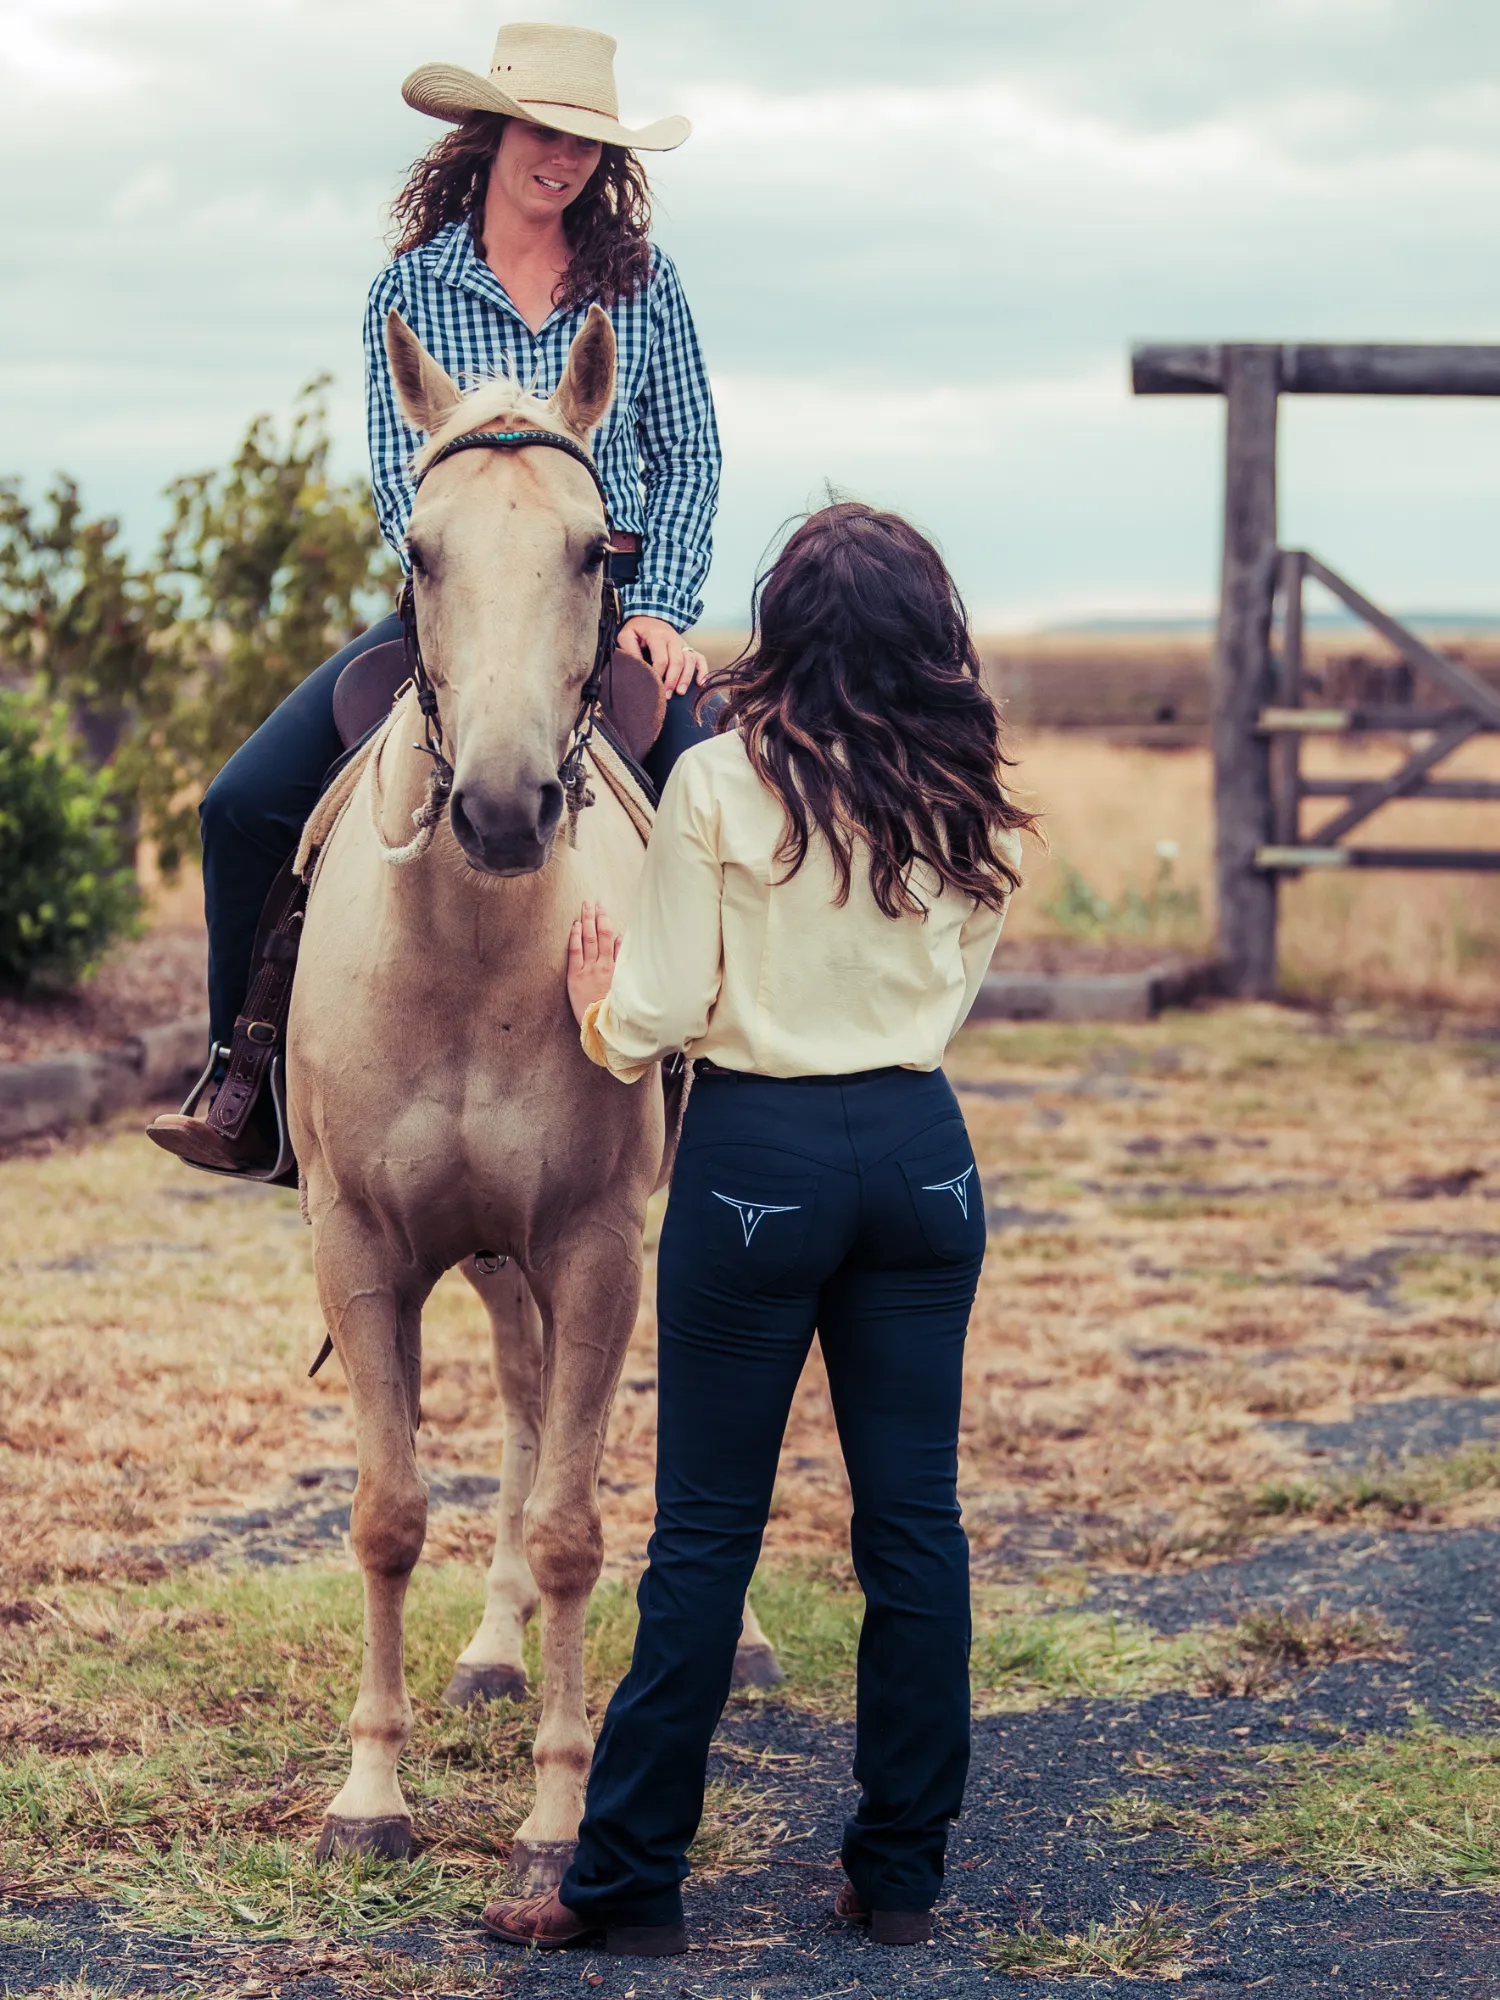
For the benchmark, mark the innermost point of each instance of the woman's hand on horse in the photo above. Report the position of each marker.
(593, 948)
(661, 646)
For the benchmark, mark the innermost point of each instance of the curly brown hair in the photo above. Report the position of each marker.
(607, 227)
(862, 707)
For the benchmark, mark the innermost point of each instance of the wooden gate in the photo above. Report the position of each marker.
(1260, 719)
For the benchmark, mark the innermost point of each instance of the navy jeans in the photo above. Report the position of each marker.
(849, 1205)
(253, 813)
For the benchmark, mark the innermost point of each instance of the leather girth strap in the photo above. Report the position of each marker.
(260, 1031)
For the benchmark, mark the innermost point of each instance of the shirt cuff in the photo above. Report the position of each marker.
(597, 1049)
(648, 600)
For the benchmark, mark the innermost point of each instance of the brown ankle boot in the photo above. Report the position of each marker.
(886, 1926)
(192, 1140)
(548, 1923)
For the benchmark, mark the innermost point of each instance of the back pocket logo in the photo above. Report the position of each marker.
(958, 1187)
(753, 1213)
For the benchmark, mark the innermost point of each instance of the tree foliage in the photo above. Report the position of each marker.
(266, 567)
(67, 889)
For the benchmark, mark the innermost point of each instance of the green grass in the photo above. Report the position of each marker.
(173, 1745)
(1408, 1490)
(1023, 1657)
(1417, 1809)
(1137, 1942)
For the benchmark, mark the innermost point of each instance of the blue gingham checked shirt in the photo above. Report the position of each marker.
(657, 449)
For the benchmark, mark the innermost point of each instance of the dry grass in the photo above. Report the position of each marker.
(1205, 1228)
(1141, 1941)
(1429, 938)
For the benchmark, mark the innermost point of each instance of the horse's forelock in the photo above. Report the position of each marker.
(488, 404)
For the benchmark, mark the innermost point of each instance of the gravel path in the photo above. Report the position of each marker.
(1027, 1842)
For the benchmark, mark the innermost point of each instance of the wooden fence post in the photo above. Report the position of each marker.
(1242, 680)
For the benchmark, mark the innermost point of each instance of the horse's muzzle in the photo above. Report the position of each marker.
(509, 836)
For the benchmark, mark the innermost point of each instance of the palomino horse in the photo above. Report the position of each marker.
(441, 1106)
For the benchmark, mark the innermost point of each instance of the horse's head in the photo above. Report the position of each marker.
(507, 552)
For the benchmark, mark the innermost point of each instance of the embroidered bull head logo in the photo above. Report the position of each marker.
(958, 1187)
(753, 1213)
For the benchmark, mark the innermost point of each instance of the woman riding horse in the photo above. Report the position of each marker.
(509, 229)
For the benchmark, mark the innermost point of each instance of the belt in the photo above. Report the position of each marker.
(625, 559)
(706, 1067)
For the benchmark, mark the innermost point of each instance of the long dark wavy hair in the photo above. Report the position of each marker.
(861, 706)
(607, 227)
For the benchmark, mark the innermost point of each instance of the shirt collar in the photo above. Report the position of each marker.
(459, 265)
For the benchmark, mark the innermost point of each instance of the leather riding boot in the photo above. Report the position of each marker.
(886, 1926)
(190, 1139)
(548, 1923)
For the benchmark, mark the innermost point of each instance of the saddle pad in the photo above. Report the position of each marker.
(613, 769)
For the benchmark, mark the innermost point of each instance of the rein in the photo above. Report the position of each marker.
(571, 770)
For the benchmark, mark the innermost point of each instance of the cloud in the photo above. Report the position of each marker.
(918, 242)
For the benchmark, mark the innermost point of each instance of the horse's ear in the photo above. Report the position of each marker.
(588, 384)
(428, 393)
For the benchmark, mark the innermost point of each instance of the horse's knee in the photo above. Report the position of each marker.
(388, 1524)
(564, 1546)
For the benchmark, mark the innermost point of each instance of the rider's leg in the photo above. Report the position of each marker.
(680, 730)
(252, 817)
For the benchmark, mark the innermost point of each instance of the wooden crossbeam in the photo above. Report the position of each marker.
(1470, 790)
(1376, 719)
(1434, 860)
(1369, 798)
(1323, 368)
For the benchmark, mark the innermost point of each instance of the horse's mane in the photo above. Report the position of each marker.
(502, 397)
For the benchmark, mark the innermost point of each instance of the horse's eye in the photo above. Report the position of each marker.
(414, 554)
(594, 560)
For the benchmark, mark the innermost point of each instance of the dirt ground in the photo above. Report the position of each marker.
(1236, 1356)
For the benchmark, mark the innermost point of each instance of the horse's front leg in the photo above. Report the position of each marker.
(588, 1295)
(373, 1308)
(490, 1667)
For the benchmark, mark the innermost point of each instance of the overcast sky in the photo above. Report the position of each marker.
(918, 238)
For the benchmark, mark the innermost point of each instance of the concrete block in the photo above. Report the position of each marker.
(1094, 996)
(170, 1058)
(55, 1092)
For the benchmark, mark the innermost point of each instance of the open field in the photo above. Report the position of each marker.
(1231, 1471)
(1430, 940)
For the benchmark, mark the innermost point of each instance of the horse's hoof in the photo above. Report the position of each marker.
(473, 1684)
(541, 1864)
(386, 1839)
(756, 1667)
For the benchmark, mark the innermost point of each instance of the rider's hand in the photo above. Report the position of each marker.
(661, 646)
(592, 951)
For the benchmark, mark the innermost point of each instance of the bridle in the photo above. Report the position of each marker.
(570, 772)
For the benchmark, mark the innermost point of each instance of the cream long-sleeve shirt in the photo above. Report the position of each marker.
(724, 959)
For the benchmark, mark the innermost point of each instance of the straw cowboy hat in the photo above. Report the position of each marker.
(562, 77)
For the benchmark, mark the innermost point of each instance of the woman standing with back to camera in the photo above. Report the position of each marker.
(509, 228)
(823, 890)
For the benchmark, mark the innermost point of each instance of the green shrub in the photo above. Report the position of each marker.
(66, 889)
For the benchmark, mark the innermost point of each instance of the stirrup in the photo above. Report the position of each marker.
(285, 1161)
